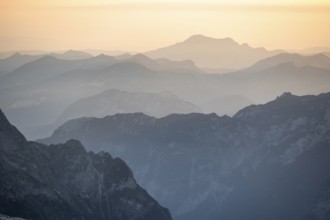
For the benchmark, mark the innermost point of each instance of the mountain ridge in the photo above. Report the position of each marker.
(209, 52)
(205, 159)
(66, 182)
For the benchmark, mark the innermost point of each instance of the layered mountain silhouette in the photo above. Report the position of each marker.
(51, 66)
(266, 162)
(66, 182)
(115, 101)
(318, 61)
(14, 61)
(36, 94)
(161, 64)
(209, 52)
(72, 55)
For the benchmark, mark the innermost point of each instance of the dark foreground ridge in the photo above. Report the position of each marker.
(64, 182)
(269, 161)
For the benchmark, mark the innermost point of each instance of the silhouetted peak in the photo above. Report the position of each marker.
(47, 58)
(229, 40)
(124, 56)
(72, 147)
(3, 119)
(198, 37)
(192, 116)
(10, 137)
(72, 52)
(129, 116)
(286, 94)
(4, 123)
(320, 56)
(75, 51)
(102, 55)
(15, 55)
(245, 45)
(140, 56)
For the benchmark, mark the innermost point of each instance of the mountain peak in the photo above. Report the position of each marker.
(9, 135)
(140, 57)
(285, 95)
(212, 53)
(72, 147)
(103, 56)
(320, 56)
(3, 118)
(198, 38)
(47, 58)
(72, 55)
(72, 51)
(292, 60)
(63, 181)
(16, 54)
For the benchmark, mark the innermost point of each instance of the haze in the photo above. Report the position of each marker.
(145, 25)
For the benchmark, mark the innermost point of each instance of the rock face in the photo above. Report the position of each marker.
(268, 161)
(65, 182)
(4, 217)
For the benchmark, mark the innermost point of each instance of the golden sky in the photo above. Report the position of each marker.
(139, 25)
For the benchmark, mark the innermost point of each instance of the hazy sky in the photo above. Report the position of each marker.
(139, 25)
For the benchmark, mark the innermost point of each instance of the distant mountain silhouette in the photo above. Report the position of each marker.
(72, 55)
(14, 61)
(115, 101)
(49, 67)
(213, 53)
(36, 93)
(312, 50)
(318, 61)
(162, 64)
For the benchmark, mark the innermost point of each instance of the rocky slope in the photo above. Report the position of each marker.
(5, 217)
(66, 182)
(268, 161)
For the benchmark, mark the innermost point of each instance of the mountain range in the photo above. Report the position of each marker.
(318, 61)
(35, 94)
(115, 101)
(209, 52)
(197, 121)
(268, 161)
(66, 182)
(72, 55)
(14, 61)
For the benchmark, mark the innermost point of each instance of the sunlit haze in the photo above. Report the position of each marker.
(144, 25)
